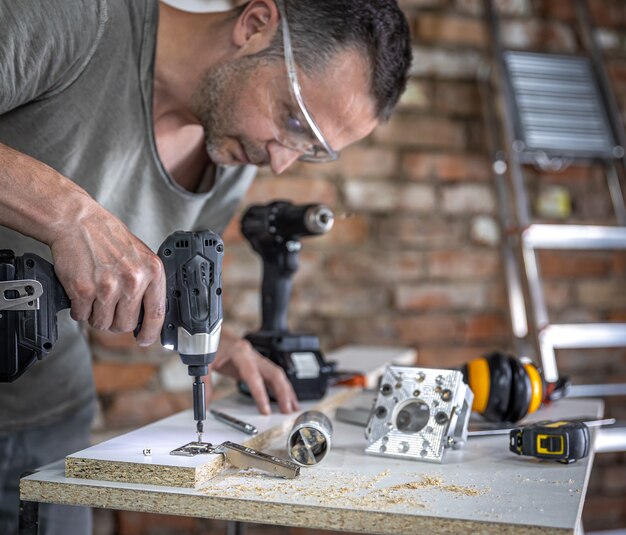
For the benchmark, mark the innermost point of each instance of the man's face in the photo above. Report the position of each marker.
(247, 111)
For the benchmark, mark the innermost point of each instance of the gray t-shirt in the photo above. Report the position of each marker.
(76, 93)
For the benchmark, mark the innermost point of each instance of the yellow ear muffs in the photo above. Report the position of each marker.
(536, 382)
(504, 388)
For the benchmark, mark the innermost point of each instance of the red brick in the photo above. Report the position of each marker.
(417, 198)
(450, 30)
(371, 265)
(535, 34)
(132, 523)
(603, 512)
(450, 356)
(348, 229)
(376, 330)
(558, 9)
(601, 293)
(617, 72)
(430, 296)
(241, 265)
(483, 327)
(458, 98)
(421, 3)
(607, 12)
(232, 234)
(452, 167)
(242, 303)
(339, 301)
(419, 95)
(619, 264)
(457, 64)
(115, 376)
(496, 294)
(387, 196)
(503, 7)
(367, 162)
(463, 264)
(574, 264)
(423, 233)
(311, 262)
(292, 189)
(618, 316)
(414, 130)
(615, 481)
(573, 173)
(428, 328)
(558, 295)
(468, 199)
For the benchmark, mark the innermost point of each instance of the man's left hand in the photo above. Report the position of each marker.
(238, 359)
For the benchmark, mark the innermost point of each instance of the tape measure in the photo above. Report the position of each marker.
(563, 441)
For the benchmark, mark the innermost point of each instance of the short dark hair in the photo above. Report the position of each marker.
(376, 28)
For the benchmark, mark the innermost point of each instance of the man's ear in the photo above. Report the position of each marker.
(256, 26)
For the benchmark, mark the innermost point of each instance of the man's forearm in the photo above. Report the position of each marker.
(36, 200)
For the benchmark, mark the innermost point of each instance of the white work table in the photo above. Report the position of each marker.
(482, 487)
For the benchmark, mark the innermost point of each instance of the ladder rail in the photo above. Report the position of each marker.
(599, 138)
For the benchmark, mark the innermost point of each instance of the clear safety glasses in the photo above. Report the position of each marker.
(298, 130)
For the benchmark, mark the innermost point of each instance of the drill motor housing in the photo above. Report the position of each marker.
(30, 298)
(274, 232)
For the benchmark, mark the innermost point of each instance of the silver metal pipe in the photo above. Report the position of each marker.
(309, 440)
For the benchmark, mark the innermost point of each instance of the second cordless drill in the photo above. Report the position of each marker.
(274, 231)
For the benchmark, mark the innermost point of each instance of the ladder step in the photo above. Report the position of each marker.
(574, 237)
(576, 336)
(597, 391)
(584, 335)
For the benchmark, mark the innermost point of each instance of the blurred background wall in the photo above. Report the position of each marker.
(413, 259)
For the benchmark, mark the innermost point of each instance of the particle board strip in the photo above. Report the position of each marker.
(121, 459)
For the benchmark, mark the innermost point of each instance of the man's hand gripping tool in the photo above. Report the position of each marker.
(31, 296)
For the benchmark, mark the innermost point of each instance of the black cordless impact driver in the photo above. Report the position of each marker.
(274, 231)
(31, 296)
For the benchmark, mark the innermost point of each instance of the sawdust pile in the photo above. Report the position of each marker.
(338, 490)
(355, 491)
(437, 482)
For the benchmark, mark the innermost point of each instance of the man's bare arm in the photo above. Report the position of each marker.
(106, 271)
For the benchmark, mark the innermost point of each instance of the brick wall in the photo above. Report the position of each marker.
(414, 256)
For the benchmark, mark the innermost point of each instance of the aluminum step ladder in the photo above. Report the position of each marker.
(556, 110)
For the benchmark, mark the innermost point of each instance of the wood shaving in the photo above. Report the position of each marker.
(437, 482)
(351, 491)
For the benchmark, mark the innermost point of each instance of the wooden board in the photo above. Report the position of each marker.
(121, 459)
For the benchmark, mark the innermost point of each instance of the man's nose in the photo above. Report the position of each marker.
(281, 157)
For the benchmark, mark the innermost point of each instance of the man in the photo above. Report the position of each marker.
(124, 120)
